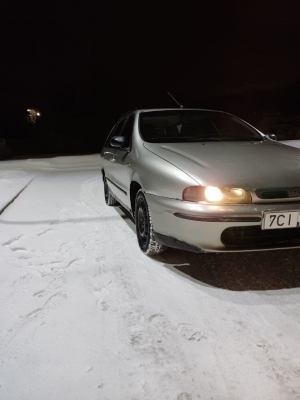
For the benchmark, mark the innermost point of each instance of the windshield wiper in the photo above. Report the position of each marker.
(242, 139)
(195, 139)
(190, 139)
(208, 139)
(185, 139)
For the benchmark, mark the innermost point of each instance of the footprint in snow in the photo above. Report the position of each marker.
(102, 305)
(12, 241)
(191, 333)
(156, 318)
(184, 396)
(45, 232)
(19, 284)
(101, 293)
(67, 248)
(19, 249)
(53, 302)
(23, 280)
(53, 285)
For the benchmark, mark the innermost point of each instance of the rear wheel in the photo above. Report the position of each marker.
(109, 198)
(144, 227)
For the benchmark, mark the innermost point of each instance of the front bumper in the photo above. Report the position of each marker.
(201, 226)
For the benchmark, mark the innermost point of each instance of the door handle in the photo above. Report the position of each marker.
(109, 156)
(107, 153)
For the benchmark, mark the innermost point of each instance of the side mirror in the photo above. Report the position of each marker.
(271, 136)
(118, 141)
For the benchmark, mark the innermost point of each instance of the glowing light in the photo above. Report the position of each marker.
(213, 194)
(238, 192)
(32, 115)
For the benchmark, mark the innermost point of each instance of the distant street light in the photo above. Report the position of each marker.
(32, 115)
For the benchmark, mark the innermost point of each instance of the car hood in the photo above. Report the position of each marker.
(249, 165)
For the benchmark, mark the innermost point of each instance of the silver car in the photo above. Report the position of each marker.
(202, 180)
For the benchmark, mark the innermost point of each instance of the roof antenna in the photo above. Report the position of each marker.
(175, 100)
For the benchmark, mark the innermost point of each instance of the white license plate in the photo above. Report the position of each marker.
(279, 220)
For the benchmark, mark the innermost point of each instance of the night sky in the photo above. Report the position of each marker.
(75, 56)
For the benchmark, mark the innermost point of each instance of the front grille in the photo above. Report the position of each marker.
(253, 237)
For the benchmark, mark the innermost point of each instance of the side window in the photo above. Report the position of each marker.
(115, 132)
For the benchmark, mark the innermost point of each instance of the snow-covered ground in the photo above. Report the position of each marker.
(85, 315)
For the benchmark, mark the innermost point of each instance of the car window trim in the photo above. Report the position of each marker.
(110, 136)
(128, 148)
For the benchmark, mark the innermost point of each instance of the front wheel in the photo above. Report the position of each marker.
(144, 227)
(109, 198)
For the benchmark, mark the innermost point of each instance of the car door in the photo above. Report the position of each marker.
(108, 152)
(122, 171)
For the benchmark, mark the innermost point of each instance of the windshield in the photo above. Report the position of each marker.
(194, 126)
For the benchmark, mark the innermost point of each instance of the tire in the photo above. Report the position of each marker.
(109, 198)
(144, 227)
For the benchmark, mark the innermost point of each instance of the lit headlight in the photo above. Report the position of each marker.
(215, 195)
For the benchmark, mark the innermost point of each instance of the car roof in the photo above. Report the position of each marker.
(141, 110)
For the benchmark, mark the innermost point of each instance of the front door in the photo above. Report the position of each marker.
(122, 171)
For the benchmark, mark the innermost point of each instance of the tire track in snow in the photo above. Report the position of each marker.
(14, 198)
(91, 194)
(149, 340)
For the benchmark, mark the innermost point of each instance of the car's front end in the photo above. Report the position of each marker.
(245, 195)
(210, 227)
